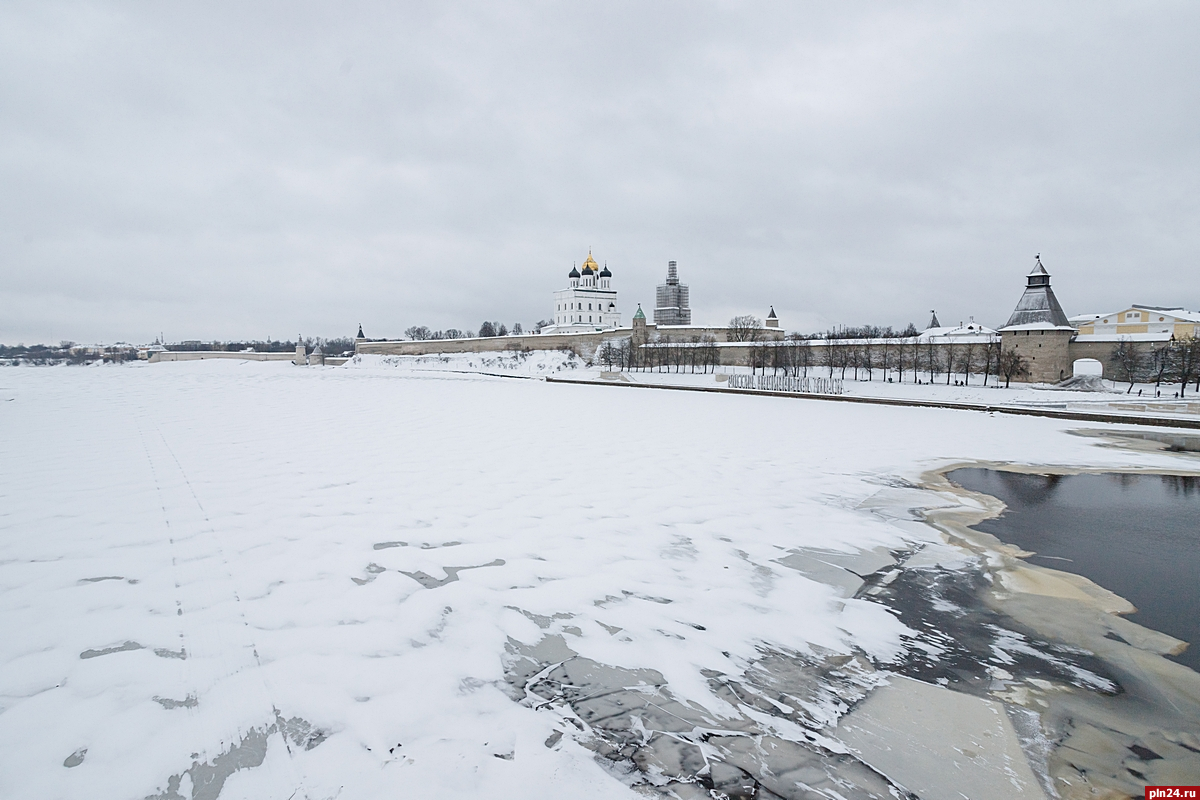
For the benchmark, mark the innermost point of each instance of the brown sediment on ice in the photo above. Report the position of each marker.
(1102, 745)
(1148, 441)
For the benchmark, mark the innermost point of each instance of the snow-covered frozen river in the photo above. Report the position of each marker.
(225, 579)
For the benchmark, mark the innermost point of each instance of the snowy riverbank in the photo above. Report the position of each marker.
(1113, 400)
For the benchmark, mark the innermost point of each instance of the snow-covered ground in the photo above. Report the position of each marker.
(257, 580)
(521, 363)
(1114, 399)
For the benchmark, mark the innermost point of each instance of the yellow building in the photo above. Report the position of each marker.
(1139, 322)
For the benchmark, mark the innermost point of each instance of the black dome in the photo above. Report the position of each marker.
(587, 270)
(604, 273)
(574, 273)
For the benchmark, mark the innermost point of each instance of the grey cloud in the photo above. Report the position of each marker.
(228, 170)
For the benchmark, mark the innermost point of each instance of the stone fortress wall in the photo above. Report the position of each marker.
(1048, 353)
(1051, 354)
(583, 344)
(1038, 330)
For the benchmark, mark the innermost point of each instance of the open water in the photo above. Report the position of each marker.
(1135, 535)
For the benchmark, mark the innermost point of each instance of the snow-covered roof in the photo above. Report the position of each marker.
(1080, 319)
(1180, 314)
(1171, 310)
(1039, 326)
(971, 329)
(1084, 338)
(1038, 306)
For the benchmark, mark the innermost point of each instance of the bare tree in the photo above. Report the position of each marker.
(966, 358)
(991, 359)
(798, 354)
(856, 358)
(608, 354)
(745, 328)
(1013, 365)
(1165, 360)
(760, 357)
(929, 357)
(947, 360)
(1129, 361)
(712, 352)
(418, 333)
(517, 329)
(1188, 362)
(828, 357)
(870, 355)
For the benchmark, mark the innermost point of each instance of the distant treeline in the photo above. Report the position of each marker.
(421, 333)
(342, 345)
(66, 352)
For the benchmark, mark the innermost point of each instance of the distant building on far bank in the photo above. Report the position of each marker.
(671, 300)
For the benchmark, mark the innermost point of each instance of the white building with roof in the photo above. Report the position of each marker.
(588, 303)
(970, 333)
(1138, 323)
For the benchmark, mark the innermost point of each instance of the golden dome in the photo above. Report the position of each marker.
(590, 262)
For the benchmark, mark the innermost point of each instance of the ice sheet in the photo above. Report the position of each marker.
(196, 556)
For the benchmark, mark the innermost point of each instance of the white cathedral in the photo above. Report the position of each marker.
(589, 303)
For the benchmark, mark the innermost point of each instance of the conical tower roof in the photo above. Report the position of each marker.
(1038, 307)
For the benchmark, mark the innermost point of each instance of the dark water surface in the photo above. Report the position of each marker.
(1136, 535)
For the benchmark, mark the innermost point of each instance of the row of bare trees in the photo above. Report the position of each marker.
(694, 354)
(891, 358)
(1173, 362)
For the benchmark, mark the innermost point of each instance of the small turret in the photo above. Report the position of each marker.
(772, 320)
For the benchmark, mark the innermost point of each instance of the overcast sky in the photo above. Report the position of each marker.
(228, 170)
